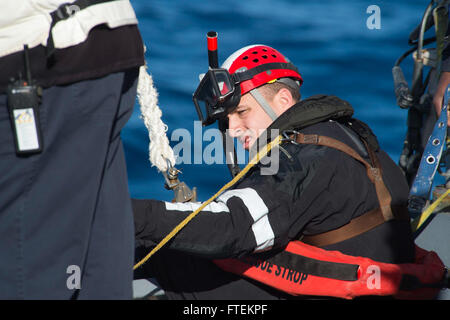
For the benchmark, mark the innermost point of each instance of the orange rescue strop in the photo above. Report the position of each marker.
(302, 269)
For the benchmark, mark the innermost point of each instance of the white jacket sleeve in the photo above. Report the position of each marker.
(28, 22)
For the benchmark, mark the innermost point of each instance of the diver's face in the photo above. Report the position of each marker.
(248, 121)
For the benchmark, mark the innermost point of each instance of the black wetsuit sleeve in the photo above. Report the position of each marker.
(216, 232)
(254, 216)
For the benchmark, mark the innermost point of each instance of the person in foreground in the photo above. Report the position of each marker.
(66, 222)
(333, 197)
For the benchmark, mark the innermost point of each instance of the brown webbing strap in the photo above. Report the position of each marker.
(384, 196)
(355, 227)
(368, 220)
(373, 172)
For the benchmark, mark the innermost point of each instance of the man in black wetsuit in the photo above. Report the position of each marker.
(316, 192)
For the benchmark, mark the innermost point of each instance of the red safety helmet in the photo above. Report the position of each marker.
(220, 89)
(258, 56)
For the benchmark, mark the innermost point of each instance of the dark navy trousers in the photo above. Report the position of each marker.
(65, 214)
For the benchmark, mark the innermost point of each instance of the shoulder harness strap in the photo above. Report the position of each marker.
(368, 220)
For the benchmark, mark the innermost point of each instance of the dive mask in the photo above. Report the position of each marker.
(217, 94)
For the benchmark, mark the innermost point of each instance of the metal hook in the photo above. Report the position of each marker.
(181, 191)
(287, 136)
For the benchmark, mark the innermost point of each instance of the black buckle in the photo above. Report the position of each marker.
(64, 11)
(290, 136)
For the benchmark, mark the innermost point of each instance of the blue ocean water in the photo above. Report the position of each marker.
(329, 42)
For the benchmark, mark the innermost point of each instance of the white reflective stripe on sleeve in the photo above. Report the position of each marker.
(258, 210)
(215, 207)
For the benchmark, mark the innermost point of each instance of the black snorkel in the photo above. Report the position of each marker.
(213, 57)
(213, 115)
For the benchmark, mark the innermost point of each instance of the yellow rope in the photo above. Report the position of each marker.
(419, 221)
(191, 216)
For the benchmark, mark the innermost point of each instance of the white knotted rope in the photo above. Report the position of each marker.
(159, 148)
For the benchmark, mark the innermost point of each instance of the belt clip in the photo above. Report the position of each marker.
(63, 12)
(290, 136)
(66, 10)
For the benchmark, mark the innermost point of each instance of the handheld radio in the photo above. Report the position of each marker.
(23, 102)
